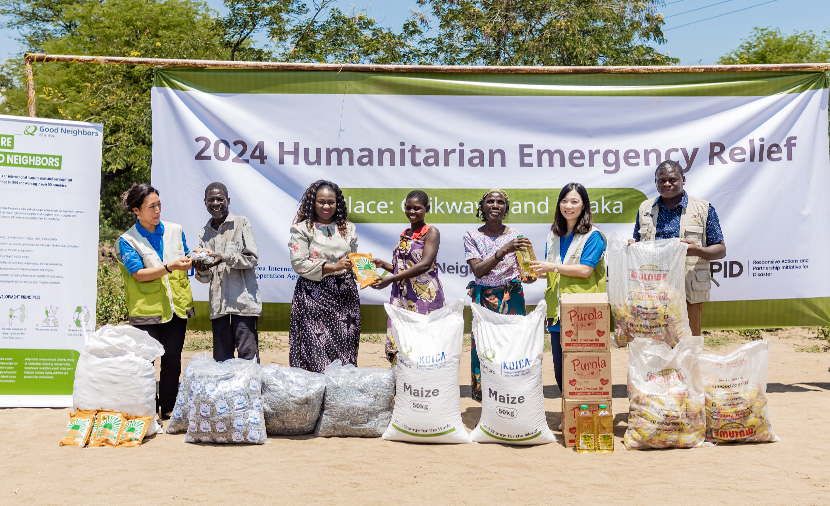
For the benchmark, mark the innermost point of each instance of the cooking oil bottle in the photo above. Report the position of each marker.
(585, 430)
(605, 430)
(525, 257)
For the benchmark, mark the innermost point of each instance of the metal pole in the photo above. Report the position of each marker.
(117, 60)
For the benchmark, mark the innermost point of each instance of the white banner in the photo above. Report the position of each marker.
(762, 161)
(50, 173)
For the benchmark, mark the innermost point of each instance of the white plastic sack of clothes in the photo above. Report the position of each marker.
(510, 349)
(427, 398)
(647, 291)
(183, 410)
(358, 401)
(735, 389)
(226, 403)
(665, 394)
(115, 372)
(292, 399)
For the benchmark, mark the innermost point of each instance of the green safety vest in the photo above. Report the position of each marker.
(154, 302)
(595, 283)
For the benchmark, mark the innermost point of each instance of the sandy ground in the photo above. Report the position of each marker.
(166, 470)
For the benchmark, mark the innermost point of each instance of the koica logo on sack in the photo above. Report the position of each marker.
(586, 322)
(587, 375)
(516, 367)
(432, 361)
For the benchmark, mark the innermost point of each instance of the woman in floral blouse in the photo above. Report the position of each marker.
(490, 251)
(325, 310)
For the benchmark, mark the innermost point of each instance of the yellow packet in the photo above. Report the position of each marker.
(134, 430)
(79, 428)
(110, 424)
(364, 269)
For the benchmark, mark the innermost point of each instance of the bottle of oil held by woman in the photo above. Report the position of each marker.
(605, 430)
(525, 257)
(585, 430)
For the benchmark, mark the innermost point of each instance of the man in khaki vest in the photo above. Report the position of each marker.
(677, 214)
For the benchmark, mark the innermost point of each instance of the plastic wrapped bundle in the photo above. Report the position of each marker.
(735, 388)
(647, 291)
(291, 400)
(183, 409)
(227, 403)
(358, 401)
(665, 393)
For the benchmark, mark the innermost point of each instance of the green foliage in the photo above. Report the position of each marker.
(823, 333)
(352, 38)
(751, 334)
(482, 32)
(198, 341)
(111, 306)
(769, 45)
(544, 32)
(247, 17)
(117, 96)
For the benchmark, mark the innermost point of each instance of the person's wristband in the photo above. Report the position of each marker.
(497, 256)
(167, 269)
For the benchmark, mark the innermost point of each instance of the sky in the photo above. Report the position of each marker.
(698, 31)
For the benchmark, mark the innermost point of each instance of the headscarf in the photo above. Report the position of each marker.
(479, 211)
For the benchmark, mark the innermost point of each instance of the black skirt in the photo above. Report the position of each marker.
(325, 322)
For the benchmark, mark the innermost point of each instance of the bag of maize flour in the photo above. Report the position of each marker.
(510, 349)
(109, 426)
(78, 429)
(135, 428)
(427, 398)
(647, 290)
(364, 269)
(665, 394)
(735, 389)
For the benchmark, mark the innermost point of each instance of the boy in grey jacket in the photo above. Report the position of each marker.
(230, 268)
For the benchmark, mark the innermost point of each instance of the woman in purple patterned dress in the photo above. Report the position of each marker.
(490, 251)
(414, 279)
(325, 309)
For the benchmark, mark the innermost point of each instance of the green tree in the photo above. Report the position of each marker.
(350, 38)
(544, 32)
(245, 18)
(117, 96)
(769, 45)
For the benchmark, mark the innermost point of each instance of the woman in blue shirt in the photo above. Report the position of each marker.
(574, 259)
(153, 262)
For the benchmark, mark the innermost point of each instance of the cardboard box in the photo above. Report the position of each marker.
(585, 321)
(570, 409)
(586, 375)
